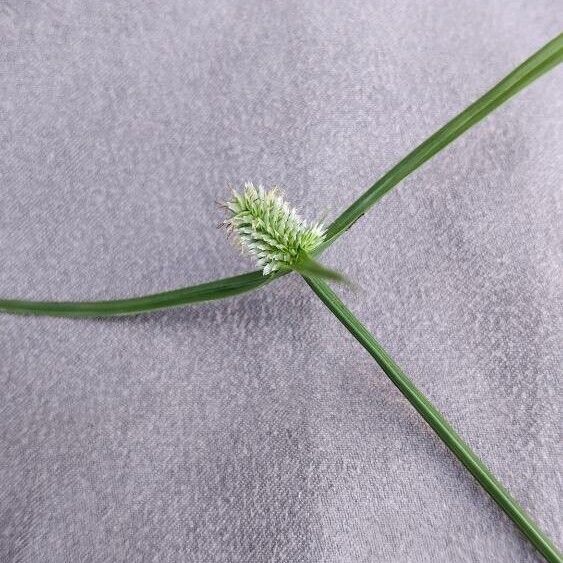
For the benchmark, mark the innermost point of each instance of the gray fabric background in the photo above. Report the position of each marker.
(256, 429)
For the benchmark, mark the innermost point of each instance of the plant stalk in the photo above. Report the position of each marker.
(436, 420)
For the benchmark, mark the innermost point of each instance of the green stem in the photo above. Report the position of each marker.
(438, 423)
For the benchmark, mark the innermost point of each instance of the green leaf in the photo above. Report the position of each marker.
(436, 420)
(218, 289)
(543, 60)
(539, 63)
(311, 268)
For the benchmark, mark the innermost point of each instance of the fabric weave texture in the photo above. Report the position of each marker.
(256, 428)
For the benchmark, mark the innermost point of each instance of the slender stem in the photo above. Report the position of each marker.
(435, 419)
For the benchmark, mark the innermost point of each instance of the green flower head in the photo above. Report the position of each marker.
(268, 228)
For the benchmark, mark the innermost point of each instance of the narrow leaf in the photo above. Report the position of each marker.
(546, 58)
(311, 268)
(217, 289)
(543, 60)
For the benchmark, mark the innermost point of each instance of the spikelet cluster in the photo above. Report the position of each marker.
(270, 229)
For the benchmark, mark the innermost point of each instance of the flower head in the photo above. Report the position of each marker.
(269, 229)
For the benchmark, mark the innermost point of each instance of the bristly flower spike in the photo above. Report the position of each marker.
(268, 228)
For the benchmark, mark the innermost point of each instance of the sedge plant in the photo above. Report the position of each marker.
(281, 242)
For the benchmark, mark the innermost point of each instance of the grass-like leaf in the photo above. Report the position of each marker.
(543, 60)
(539, 63)
(309, 267)
(436, 420)
(218, 289)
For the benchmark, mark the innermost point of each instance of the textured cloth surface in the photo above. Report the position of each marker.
(256, 428)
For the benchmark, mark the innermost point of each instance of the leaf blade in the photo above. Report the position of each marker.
(543, 60)
(549, 56)
(309, 267)
(217, 289)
